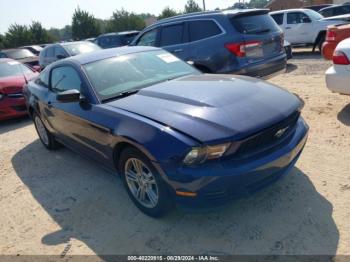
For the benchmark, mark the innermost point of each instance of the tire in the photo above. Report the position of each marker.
(147, 185)
(46, 138)
(321, 41)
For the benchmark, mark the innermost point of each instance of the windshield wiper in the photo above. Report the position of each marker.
(121, 95)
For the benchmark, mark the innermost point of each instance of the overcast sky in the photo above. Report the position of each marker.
(58, 13)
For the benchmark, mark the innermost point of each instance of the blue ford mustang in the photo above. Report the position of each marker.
(174, 134)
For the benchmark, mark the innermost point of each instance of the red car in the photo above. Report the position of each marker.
(13, 76)
(335, 34)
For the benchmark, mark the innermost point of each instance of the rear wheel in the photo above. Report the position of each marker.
(321, 41)
(46, 138)
(144, 185)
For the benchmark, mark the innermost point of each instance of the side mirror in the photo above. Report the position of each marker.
(37, 68)
(306, 20)
(70, 96)
(61, 56)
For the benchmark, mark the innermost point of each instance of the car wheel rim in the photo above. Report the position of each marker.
(141, 182)
(41, 130)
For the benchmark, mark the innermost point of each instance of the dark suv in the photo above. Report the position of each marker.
(245, 42)
(111, 40)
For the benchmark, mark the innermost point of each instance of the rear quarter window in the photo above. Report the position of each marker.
(202, 29)
(255, 24)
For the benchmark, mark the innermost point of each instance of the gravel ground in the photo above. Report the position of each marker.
(60, 203)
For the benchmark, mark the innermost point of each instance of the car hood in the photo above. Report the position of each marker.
(210, 108)
(14, 84)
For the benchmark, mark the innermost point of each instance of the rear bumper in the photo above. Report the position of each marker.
(265, 68)
(12, 107)
(218, 182)
(337, 79)
(328, 49)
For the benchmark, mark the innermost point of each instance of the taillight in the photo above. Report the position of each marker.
(240, 49)
(331, 35)
(339, 58)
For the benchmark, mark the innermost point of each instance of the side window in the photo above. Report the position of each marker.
(202, 29)
(296, 18)
(148, 39)
(59, 51)
(172, 35)
(327, 13)
(278, 18)
(50, 52)
(43, 78)
(3, 55)
(65, 78)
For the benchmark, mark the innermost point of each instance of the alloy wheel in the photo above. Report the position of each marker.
(141, 182)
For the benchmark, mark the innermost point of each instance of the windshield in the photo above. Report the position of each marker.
(255, 24)
(81, 48)
(314, 15)
(112, 76)
(13, 68)
(19, 54)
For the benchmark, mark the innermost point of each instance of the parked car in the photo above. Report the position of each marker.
(54, 52)
(21, 55)
(303, 26)
(335, 34)
(111, 40)
(91, 39)
(288, 49)
(335, 10)
(35, 49)
(13, 76)
(317, 7)
(173, 133)
(338, 76)
(245, 41)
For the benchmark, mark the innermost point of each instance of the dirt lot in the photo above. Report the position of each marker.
(60, 203)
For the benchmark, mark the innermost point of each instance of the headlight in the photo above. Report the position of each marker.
(200, 154)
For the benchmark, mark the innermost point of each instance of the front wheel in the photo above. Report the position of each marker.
(144, 185)
(45, 136)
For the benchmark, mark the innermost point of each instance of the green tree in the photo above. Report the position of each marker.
(122, 20)
(191, 7)
(18, 35)
(2, 41)
(84, 25)
(167, 12)
(39, 34)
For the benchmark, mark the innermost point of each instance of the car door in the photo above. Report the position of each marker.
(60, 53)
(174, 39)
(298, 28)
(73, 122)
(49, 56)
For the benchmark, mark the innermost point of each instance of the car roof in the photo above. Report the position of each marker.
(335, 6)
(230, 12)
(73, 43)
(4, 60)
(102, 54)
(120, 33)
(8, 50)
(291, 10)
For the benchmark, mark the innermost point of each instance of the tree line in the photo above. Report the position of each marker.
(85, 25)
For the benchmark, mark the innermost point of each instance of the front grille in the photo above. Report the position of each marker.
(19, 108)
(268, 136)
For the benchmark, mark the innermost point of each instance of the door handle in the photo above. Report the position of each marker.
(178, 50)
(288, 28)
